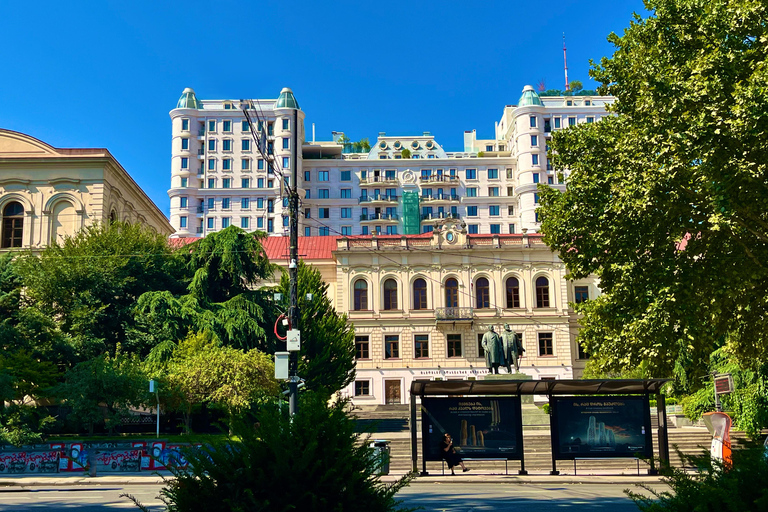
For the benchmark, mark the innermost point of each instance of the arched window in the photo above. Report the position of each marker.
(361, 295)
(13, 225)
(419, 294)
(451, 293)
(513, 293)
(542, 292)
(112, 217)
(390, 294)
(482, 293)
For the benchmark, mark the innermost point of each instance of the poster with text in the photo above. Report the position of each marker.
(480, 427)
(601, 427)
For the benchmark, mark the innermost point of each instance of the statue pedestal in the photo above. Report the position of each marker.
(501, 377)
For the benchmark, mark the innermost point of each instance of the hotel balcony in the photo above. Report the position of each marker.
(439, 178)
(380, 218)
(438, 216)
(440, 199)
(201, 134)
(379, 200)
(454, 314)
(372, 181)
(201, 154)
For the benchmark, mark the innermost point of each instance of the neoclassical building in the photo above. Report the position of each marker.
(48, 193)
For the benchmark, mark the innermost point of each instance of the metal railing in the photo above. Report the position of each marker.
(380, 197)
(440, 215)
(441, 197)
(454, 313)
(439, 178)
(379, 216)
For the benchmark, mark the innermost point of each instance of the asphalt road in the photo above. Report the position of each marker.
(438, 497)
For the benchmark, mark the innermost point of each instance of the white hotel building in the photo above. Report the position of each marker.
(220, 178)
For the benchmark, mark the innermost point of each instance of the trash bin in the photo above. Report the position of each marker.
(381, 455)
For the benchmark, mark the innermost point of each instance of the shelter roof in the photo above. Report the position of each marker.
(538, 387)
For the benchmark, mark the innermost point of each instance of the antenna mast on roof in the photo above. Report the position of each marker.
(565, 63)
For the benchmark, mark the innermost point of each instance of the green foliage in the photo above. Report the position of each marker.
(668, 199)
(361, 146)
(576, 86)
(742, 487)
(89, 282)
(406, 153)
(313, 463)
(116, 382)
(23, 424)
(327, 357)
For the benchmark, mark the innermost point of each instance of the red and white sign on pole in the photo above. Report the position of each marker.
(723, 383)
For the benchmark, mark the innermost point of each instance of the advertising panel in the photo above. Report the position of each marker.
(480, 427)
(600, 427)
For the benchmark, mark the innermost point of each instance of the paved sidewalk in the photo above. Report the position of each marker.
(16, 483)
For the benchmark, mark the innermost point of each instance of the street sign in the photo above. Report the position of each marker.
(152, 386)
(293, 343)
(723, 383)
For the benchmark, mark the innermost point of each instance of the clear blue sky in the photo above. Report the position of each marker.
(106, 73)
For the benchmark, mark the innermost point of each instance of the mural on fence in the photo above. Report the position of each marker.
(29, 462)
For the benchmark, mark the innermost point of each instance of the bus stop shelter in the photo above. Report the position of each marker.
(550, 388)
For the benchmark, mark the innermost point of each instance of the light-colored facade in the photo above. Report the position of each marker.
(220, 178)
(48, 193)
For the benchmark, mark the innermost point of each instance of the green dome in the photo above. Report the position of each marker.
(529, 97)
(287, 100)
(188, 100)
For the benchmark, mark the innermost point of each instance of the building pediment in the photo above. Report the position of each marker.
(19, 144)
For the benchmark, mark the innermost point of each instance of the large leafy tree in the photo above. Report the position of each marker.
(667, 200)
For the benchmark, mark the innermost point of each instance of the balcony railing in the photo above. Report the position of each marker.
(381, 197)
(378, 179)
(441, 197)
(200, 209)
(199, 229)
(200, 151)
(453, 314)
(439, 178)
(440, 215)
(201, 133)
(379, 216)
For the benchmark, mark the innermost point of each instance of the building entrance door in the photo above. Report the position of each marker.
(392, 392)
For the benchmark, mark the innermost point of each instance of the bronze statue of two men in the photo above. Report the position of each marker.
(504, 350)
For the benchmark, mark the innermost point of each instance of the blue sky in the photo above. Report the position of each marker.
(106, 74)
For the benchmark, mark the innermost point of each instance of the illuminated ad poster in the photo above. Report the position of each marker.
(480, 427)
(601, 427)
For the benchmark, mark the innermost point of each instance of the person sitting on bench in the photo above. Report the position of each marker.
(450, 455)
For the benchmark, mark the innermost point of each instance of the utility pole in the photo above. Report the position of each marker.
(293, 266)
(565, 64)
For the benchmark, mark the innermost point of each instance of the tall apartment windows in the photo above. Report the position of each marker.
(471, 211)
(480, 350)
(494, 210)
(451, 293)
(226, 164)
(471, 191)
(212, 126)
(472, 229)
(184, 182)
(324, 213)
(390, 294)
(510, 191)
(260, 222)
(391, 346)
(362, 347)
(511, 229)
(324, 193)
(482, 293)
(286, 143)
(550, 180)
(513, 293)
(322, 176)
(307, 176)
(286, 123)
(534, 140)
(571, 121)
(346, 193)
(493, 174)
(307, 231)
(211, 164)
(471, 174)
(225, 222)
(533, 121)
(185, 163)
(581, 294)
(489, 148)
(590, 120)
(510, 210)
(245, 203)
(260, 164)
(557, 122)
(211, 182)
(346, 230)
(454, 345)
(244, 222)
(245, 127)
(307, 194)
(421, 346)
(535, 159)
(245, 164)
(260, 183)
(346, 213)
(184, 143)
(493, 191)
(286, 162)
(226, 145)
(324, 231)
(245, 145)
(536, 197)
(361, 295)
(286, 221)
(227, 126)
(542, 292)
(546, 347)
(225, 203)
(210, 222)
(211, 203)
(535, 177)
(183, 202)
(183, 221)
(226, 183)
(185, 125)
(419, 294)
(346, 176)
(270, 225)
(212, 145)
(495, 229)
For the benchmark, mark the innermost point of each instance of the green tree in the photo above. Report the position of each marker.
(327, 357)
(101, 390)
(667, 200)
(89, 282)
(575, 86)
(406, 153)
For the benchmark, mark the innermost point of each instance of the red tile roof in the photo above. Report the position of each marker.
(310, 247)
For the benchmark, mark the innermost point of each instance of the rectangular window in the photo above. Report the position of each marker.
(211, 203)
(533, 121)
(480, 350)
(421, 345)
(286, 143)
(211, 164)
(324, 213)
(495, 229)
(212, 125)
(582, 353)
(362, 388)
(472, 229)
(286, 123)
(183, 201)
(346, 176)
(472, 211)
(211, 182)
(346, 193)
(590, 120)
(511, 229)
(307, 231)
(307, 194)
(245, 164)
(226, 183)
(185, 163)
(471, 174)
(286, 221)
(307, 176)
(557, 122)
(260, 222)
(534, 140)
(471, 191)
(184, 143)
(227, 126)
(571, 121)
(245, 127)
(226, 145)
(346, 213)
(286, 162)
(307, 213)
(245, 203)
(494, 210)
(225, 222)
(510, 210)
(493, 191)
(245, 145)
(581, 294)
(183, 221)
(364, 230)
(324, 231)
(546, 347)
(391, 230)
(225, 204)
(322, 176)
(454, 345)
(260, 183)
(210, 222)
(226, 164)
(185, 125)
(493, 174)
(489, 148)
(550, 180)
(346, 230)
(324, 193)
(270, 225)
(212, 145)
(392, 346)
(510, 191)
(259, 202)
(260, 164)
(536, 198)
(535, 159)
(184, 182)
(535, 177)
